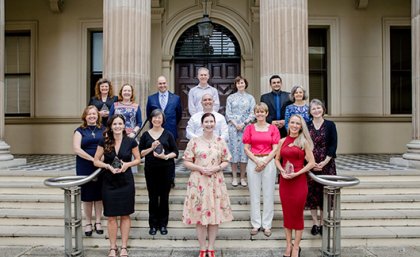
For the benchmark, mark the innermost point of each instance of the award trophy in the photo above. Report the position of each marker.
(158, 149)
(289, 168)
(116, 163)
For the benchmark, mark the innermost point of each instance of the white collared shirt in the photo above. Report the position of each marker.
(194, 128)
(194, 98)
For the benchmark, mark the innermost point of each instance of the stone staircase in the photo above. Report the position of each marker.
(383, 210)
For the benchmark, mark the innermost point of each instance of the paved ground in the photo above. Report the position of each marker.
(344, 162)
(142, 252)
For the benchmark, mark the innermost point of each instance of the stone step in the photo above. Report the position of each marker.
(143, 205)
(277, 223)
(401, 199)
(240, 215)
(231, 234)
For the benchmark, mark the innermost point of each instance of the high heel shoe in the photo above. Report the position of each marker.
(98, 231)
(210, 253)
(203, 253)
(290, 254)
(88, 232)
(298, 253)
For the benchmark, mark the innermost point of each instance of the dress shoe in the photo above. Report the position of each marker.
(98, 228)
(315, 230)
(163, 230)
(152, 231)
(88, 232)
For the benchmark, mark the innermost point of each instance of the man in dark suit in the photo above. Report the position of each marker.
(276, 101)
(171, 106)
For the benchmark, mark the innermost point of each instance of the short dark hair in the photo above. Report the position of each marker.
(275, 77)
(207, 114)
(239, 78)
(155, 113)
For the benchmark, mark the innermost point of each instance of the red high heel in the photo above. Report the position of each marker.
(203, 253)
(211, 253)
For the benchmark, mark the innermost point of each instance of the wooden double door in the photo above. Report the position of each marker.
(222, 76)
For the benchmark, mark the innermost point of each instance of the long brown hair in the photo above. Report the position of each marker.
(109, 141)
(85, 113)
(98, 89)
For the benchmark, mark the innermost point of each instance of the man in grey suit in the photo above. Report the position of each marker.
(276, 100)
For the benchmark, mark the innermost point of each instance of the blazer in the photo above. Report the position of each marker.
(271, 103)
(173, 111)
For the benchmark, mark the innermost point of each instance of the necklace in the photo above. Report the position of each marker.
(208, 141)
(92, 131)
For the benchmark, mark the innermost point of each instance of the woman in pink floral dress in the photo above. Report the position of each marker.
(207, 202)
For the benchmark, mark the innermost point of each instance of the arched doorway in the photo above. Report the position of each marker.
(220, 53)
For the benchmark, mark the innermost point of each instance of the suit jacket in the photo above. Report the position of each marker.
(173, 111)
(271, 103)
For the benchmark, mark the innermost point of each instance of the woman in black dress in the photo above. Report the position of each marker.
(158, 146)
(104, 98)
(85, 142)
(118, 190)
(324, 135)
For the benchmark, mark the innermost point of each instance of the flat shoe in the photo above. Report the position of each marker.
(267, 232)
(152, 231)
(234, 182)
(113, 250)
(163, 231)
(124, 255)
(254, 231)
(243, 183)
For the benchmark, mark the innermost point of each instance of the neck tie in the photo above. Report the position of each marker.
(163, 101)
(278, 108)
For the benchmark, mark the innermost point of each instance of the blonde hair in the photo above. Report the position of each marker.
(304, 137)
(85, 114)
(261, 107)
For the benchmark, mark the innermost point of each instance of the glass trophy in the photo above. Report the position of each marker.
(158, 149)
(105, 108)
(116, 163)
(289, 168)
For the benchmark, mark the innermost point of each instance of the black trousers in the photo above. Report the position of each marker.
(158, 181)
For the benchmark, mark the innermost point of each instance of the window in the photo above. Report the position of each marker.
(96, 61)
(400, 69)
(318, 64)
(17, 74)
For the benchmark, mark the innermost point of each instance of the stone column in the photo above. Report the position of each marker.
(127, 25)
(284, 42)
(4, 147)
(413, 153)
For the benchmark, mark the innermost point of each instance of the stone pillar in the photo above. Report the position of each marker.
(4, 147)
(284, 42)
(127, 25)
(413, 153)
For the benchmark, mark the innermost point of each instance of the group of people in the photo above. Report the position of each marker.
(282, 132)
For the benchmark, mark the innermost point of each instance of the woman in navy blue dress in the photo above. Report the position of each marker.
(104, 98)
(85, 142)
(118, 191)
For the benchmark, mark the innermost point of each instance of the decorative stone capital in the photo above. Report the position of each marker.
(255, 14)
(56, 6)
(361, 4)
(157, 14)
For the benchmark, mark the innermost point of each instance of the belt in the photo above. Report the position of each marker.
(261, 155)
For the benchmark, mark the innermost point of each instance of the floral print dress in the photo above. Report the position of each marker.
(207, 201)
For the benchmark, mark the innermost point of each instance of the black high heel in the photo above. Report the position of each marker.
(300, 249)
(88, 233)
(98, 231)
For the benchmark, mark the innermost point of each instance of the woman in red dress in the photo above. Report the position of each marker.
(294, 150)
